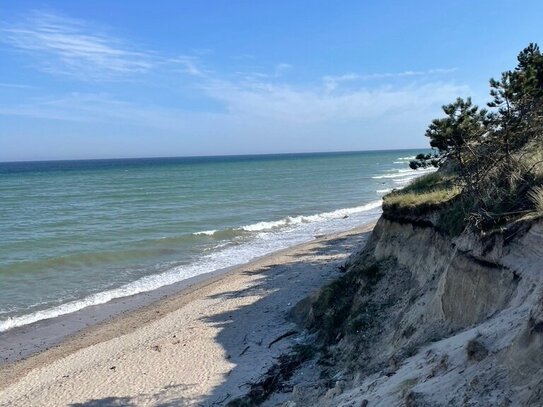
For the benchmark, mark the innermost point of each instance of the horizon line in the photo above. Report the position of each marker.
(211, 156)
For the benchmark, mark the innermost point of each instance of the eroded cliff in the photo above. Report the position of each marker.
(420, 318)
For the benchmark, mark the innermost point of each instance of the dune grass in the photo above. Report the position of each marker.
(428, 183)
(413, 200)
(536, 197)
(425, 192)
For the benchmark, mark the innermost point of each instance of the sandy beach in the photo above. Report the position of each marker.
(199, 346)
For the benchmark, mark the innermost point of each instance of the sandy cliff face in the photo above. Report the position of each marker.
(443, 322)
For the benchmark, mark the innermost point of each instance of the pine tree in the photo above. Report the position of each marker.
(456, 137)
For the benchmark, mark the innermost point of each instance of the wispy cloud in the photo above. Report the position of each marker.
(189, 65)
(333, 81)
(67, 46)
(241, 105)
(287, 103)
(251, 102)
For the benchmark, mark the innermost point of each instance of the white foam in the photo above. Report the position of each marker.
(384, 191)
(398, 175)
(403, 169)
(205, 232)
(302, 229)
(289, 221)
(404, 180)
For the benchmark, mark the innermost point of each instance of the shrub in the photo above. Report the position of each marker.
(333, 305)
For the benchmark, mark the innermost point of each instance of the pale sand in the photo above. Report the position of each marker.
(200, 346)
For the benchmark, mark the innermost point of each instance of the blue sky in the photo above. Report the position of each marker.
(104, 79)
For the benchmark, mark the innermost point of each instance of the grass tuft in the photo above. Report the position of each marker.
(536, 197)
(412, 200)
(425, 193)
(429, 182)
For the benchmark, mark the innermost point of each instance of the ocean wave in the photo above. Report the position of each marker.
(384, 176)
(289, 220)
(384, 191)
(226, 256)
(221, 234)
(403, 172)
(403, 181)
(206, 232)
(144, 284)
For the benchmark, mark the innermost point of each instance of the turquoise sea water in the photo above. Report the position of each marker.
(77, 233)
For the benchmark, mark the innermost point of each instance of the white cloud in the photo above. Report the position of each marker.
(71, 47)
(190, 65)
(242, 106)
(250, 102)
(333, 81)
(316, 104)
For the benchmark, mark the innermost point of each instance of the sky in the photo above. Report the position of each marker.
(104, 79)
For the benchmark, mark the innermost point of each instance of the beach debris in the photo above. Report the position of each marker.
(113, 368)
(244, 350)
(156, 348)
(285, 335)
(275, 378)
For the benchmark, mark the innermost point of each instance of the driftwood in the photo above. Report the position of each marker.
(274, 379)
(285, 335)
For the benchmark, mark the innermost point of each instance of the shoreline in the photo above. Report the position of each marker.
(75, 333)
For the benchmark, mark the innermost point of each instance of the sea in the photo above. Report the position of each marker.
(80, 233)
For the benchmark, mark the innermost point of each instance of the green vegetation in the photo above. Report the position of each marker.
(429, 192)
(332, 311)
(490, 160)
(430, 182)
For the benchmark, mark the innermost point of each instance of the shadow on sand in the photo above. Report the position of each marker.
(248, 348)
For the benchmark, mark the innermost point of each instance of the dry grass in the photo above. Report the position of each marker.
(536, 197)
(531, 159)
(426, 192)
(412, 200)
